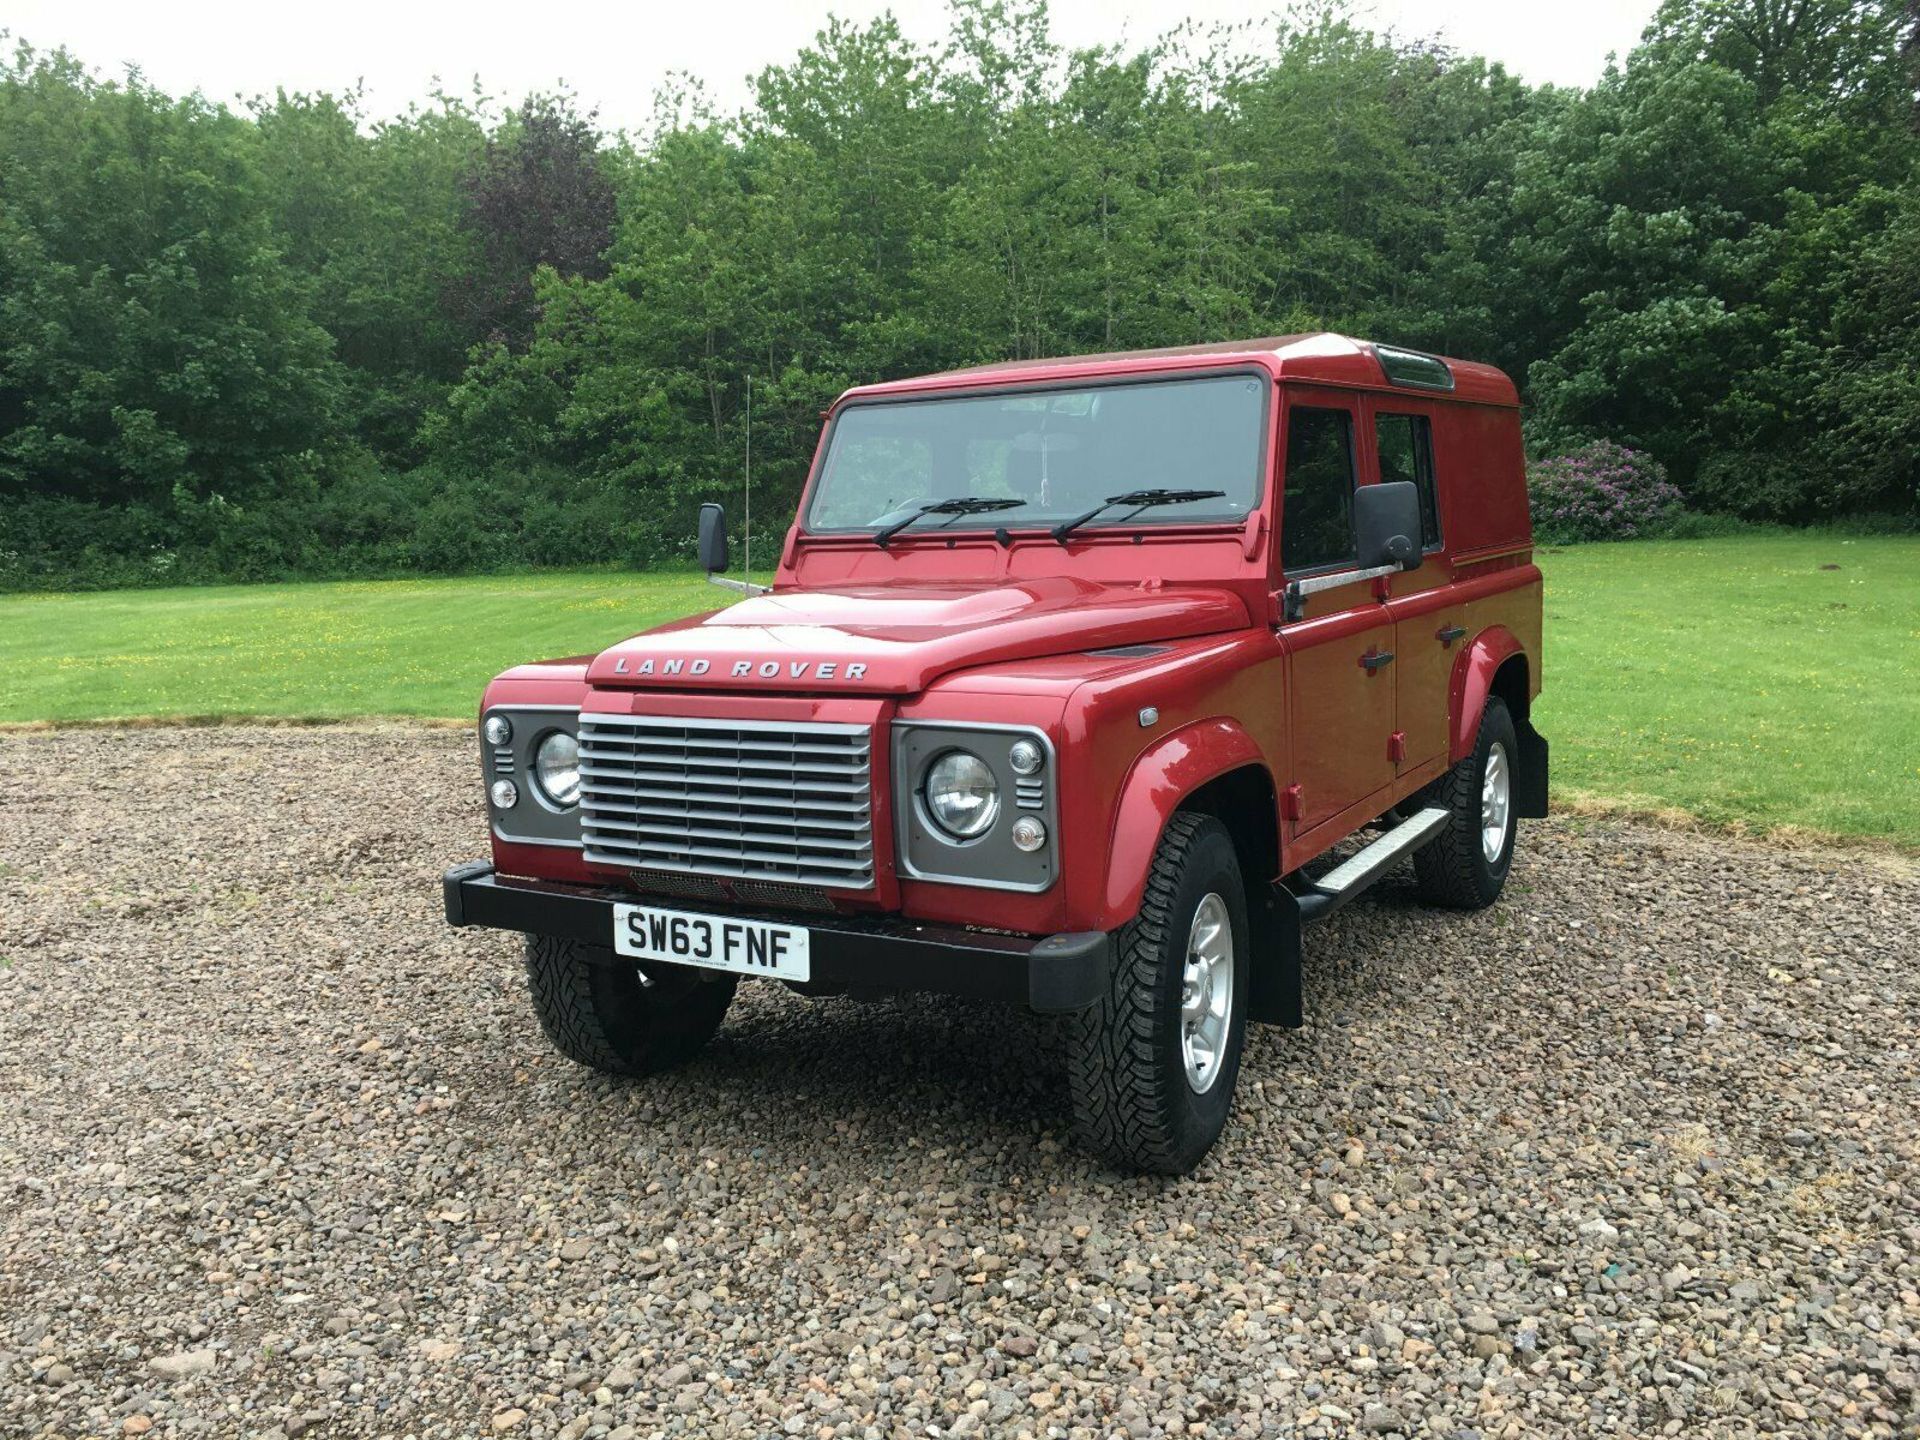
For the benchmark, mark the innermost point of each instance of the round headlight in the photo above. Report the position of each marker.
(962, 796)
(556, 769)
(1025, 757)
(498, 730)
(505, 794)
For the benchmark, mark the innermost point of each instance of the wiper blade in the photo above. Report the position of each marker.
(961, 505)
(1140, 500)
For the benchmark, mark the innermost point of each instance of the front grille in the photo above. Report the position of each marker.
(789, 803)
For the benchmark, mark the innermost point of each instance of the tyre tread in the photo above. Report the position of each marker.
(1121, 1093)
(1449, 869)
(593, 1016)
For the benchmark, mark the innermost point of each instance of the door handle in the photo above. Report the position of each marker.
(1448, 634)
(1375, 660)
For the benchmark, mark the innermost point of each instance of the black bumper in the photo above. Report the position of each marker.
(1055, 974)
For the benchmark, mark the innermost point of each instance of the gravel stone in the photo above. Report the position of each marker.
(184, 1365)
(1633, 1153)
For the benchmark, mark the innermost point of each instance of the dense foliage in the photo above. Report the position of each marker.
(292, 340)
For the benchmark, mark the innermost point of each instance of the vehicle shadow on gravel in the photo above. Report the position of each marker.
(971, 1078)
(790, 1077)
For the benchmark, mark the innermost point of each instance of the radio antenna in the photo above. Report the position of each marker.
(748, 528)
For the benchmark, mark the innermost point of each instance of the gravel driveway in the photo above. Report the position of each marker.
(1633, 1153)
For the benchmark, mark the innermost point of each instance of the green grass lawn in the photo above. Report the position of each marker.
(1735, 679)
(1763, 681)
(377, 647)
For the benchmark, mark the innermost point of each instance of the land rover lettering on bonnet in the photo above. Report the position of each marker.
(844, 671)
(1083, 684)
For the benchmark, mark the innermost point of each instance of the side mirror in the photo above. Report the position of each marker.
(713, 538)
(1386, 519)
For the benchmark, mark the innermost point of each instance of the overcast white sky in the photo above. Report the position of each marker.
(615, 55)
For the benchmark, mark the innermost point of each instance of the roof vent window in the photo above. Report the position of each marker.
(1409, 367)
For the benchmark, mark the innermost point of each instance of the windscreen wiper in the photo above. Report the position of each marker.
(1140, 500)
(961, 505)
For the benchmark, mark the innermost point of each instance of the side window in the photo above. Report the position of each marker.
(1405, 443)
(1316, 517)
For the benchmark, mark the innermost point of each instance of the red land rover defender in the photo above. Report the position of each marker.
(1073, 675)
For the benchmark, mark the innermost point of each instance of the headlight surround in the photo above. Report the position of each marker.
(961, 795)
(556, 768)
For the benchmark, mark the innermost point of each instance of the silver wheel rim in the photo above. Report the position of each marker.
(1206, 993)
(1496, 798)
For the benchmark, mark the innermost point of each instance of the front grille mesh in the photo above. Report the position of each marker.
(786, 803)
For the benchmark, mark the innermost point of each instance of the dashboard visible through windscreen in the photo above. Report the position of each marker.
(1058, 451)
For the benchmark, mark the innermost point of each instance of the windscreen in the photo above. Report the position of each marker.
(1059, 452)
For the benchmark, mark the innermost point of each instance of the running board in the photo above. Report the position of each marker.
(1354, 875)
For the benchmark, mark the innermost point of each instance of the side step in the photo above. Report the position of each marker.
(1278, 987)
(1354, 875)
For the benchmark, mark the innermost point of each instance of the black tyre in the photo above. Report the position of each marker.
(1466, 864)
(1152, 1065)
(602, 1013)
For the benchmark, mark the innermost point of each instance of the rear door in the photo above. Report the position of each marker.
(1340, 679)
(1429, 623)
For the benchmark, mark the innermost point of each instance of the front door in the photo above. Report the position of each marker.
(1340, 679)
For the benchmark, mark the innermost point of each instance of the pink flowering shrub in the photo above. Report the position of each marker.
(1601, 491)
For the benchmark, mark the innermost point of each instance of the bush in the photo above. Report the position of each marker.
(1760, 485)
(1601, 491)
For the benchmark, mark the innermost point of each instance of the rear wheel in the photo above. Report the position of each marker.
(616, 1017)
(1465, 866)
(1152, 1064)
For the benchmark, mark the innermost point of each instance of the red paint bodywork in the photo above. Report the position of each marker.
(956, 627)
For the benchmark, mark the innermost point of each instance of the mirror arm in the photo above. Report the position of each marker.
(741, 587)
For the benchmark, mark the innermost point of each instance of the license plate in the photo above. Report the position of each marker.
(715, 942)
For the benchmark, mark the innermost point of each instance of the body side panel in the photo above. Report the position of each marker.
(1215, 711)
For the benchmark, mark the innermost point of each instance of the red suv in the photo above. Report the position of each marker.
(1074, 680)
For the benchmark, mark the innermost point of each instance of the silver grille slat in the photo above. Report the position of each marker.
(765, 769)
(648, 832)
(732, 747)
(716, 784)
(837, 822)
(749, 800)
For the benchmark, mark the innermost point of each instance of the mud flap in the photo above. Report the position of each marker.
(1275, 917)
(1530, 778)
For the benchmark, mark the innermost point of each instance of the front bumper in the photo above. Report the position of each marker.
(1054, 974)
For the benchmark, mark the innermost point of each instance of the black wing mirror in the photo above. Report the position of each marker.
(713, 538)
(1386, 519)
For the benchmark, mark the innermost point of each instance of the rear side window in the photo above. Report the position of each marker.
(1316, 517)
(1405, 443)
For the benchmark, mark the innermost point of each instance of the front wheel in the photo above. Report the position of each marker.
(1152, 1064)
(614, 1016)
(1465, 866)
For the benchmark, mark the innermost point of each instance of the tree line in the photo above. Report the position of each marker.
(282, 338)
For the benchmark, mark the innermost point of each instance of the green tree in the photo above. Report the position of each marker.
(158, 350)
